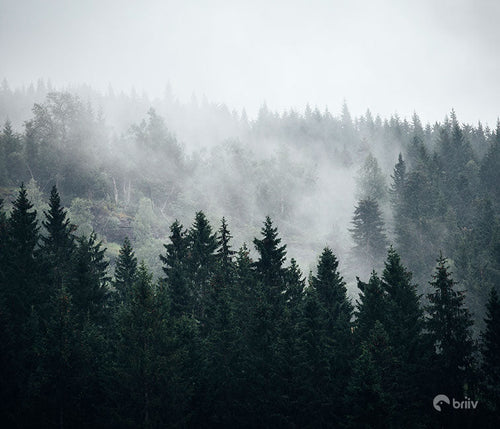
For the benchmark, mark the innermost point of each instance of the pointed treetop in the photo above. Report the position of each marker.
(224, 247)
(57, 225)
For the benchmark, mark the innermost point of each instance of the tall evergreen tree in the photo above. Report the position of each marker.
(404, 326)
(269, 266)
(175, 269)
(448, 324)
(370, 389)
(142, 357)
(490, 350)
(371, 306)
(398, 181)
(202, 244)
(57, 246)
(22, 266)
(89, 284)
(368, 233)
(125, 271)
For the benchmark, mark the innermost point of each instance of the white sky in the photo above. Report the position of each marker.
(389, 56)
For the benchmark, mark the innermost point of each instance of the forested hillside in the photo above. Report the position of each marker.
(120, 310)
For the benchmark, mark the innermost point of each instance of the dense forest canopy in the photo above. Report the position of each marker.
(114, 313)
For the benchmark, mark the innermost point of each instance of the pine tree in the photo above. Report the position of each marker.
(125, 271)
(448, 325)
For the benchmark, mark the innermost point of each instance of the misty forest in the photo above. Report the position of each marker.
(178, 264)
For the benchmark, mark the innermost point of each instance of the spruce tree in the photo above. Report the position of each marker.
(89, 283)
(369, 395)
(125, 271)
(337, 312)
(490, 350)
(449, 326)
(332, 291)
(398, 181)
(202, 245)
(368, 233)
(176, 272)
(370, 308)
(142, 370)
(269, 266)
(405, 325)
(313, 375)
(57, 246)
(22, 265)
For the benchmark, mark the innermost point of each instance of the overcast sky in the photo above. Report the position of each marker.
(390, 56)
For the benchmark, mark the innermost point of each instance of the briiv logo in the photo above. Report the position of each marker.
(439, 400)
(466, 404)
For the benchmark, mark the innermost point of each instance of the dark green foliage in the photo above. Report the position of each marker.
(142, 366)
(89, 282)
(371, 307)
(21, 267)
(490, 350)
(269, 266)
(202, 245)
(175, 266)
(369, 392)
(448, 325)
(125, 271)
(57, 246)
(223, 340)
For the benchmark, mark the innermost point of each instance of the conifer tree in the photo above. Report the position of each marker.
(369, 392)
(202, 245)
(269, 266)
(490, 350)
(142, 371)
(370, 308)
(368, 232)
(398, 181)
(59, 358)
(22, 265)
(125, 271)
(448, 325)
(89, 284)
(337, 312)
(176, 272)
(57, 246)
(312, 365)
(332, 291)
(404, 326)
